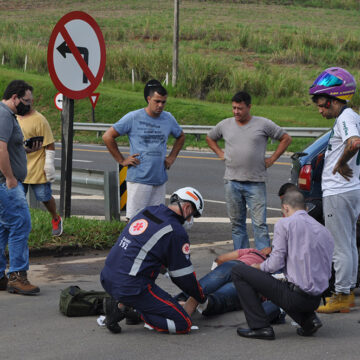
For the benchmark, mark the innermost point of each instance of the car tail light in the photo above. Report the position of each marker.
(304, 181)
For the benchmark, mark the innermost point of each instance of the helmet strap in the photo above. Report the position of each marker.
(182, 212)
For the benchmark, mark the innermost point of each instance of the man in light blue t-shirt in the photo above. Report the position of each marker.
(148, 130)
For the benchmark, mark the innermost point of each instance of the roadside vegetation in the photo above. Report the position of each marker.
(78, 233)
(273, 49)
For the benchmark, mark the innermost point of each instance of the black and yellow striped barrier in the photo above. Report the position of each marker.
(122, 188)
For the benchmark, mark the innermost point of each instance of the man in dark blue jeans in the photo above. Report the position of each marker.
(15, 223)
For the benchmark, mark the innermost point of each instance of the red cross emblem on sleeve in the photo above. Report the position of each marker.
(138, 227)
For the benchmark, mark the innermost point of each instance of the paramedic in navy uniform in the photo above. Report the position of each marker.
(155, 237)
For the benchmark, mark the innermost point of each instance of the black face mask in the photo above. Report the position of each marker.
(22, 109)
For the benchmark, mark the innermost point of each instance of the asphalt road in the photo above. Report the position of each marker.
(202, 170)
(32, 327)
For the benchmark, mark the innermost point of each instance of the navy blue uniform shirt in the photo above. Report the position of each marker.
(154, 238)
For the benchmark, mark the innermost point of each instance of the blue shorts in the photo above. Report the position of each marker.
(42, 192)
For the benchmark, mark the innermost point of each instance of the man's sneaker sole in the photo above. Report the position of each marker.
(344, 310)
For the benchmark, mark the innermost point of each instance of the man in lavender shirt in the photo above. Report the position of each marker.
(303, 249)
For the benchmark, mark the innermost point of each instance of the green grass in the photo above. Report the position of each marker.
(114, 103)
(78, 232)
(273, 49)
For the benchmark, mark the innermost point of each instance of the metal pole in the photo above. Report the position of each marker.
(111, 195)
(175, 63)
(67, 121)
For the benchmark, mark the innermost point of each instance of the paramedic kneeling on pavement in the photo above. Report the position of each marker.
(155, 237)
(303, 248)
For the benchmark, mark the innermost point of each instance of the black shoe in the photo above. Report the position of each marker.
(112, 314)
(132, 317)
(266, 333)
(316, 325)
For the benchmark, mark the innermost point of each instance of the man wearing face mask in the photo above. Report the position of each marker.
(154, 238)
(41, 163)
(15, 223)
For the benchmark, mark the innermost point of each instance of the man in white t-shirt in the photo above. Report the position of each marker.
(340, 180)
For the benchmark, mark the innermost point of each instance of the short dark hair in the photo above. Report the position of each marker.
(242, 96)
(294, 198)
(153, 86)
(315, 98)
(18, 87)
(285, 187)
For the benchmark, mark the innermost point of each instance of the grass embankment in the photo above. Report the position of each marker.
(78, 232)
(114, 103)
(273, 49)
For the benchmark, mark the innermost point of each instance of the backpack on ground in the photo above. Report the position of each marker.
(77, 302)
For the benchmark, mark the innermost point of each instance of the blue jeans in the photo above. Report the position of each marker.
(218, 285)
(42, 192)
(238, 194)
(15, 227)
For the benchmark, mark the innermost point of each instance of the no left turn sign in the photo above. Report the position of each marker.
(76, 55)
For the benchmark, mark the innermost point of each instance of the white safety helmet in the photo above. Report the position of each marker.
(189, 194)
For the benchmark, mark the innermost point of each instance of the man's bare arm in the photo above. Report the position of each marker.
(110, 141)
(285, 141)
(351, 148)
(178, 144)
(5, 166)
(232, 255)
(213, 145)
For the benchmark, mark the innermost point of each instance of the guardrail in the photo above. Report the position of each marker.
(204, 129)
(105, 181)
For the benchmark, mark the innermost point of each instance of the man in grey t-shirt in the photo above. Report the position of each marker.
(245, 139)
(15, 223)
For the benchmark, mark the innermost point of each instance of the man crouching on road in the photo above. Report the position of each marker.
(303, 248)
(155, 237)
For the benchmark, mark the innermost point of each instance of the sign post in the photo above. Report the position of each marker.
(67, 134)
(76, 61)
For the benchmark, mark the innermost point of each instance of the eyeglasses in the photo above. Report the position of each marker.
(327, 80)
(26, 101)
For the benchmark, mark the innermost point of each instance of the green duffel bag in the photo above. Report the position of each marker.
(77, 302)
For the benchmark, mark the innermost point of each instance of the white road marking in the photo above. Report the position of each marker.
(36, 267)
(272, 220)
(99, 197)
(215, 220)
(83, 197)
(84, 161)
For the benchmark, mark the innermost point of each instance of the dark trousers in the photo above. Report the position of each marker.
(251, 282)
(159, 310)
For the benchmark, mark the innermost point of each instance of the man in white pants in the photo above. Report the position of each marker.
(340, 181)
(148, 130)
